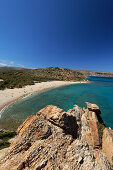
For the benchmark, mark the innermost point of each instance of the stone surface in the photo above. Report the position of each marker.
(107, 144)
(92, 125)
(89, 131)
(93, 107)
(93, 134)
(54, 139)
(101, 163)
(56, 116)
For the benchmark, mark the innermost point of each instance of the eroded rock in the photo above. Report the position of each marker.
(93, 107)
(107, 144)
(56, 116)
(54, 139)
(92, 125)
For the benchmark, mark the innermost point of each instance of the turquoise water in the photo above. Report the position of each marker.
(98, 91)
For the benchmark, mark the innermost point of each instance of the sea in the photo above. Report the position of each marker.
(98, 91)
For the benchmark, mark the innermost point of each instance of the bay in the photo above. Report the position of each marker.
(98, 91)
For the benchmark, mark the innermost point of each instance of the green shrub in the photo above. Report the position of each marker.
(20, 78)
(4, 137)
(4, 144)
(7, 134)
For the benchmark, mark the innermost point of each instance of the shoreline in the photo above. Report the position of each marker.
(10, 96)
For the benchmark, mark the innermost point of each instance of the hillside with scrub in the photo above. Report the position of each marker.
(19, 77)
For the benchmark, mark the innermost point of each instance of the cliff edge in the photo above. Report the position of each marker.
(54, 139)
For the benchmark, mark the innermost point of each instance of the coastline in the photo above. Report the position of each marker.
(9, 96)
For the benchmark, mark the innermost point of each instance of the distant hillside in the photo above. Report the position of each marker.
(18, 77)
(87, 73)
(11, 68)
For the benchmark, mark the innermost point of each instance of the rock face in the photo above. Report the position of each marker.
(93, 107)
(92, 125)
(54, 139)
(107, 144)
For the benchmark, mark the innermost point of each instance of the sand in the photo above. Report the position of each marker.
(9, 96)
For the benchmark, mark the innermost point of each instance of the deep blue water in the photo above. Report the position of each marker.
(101, 79)
(99, 91)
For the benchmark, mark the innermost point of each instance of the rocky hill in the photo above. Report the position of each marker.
(11, 68)
(16, 77)
(87, 73)
(54, 139)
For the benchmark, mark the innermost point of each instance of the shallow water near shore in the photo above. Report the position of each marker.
(99, 91)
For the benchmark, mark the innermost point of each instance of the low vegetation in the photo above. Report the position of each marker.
(21, 77)
(101, 127)
(4, 139)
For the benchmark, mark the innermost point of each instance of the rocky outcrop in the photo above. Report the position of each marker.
(92, 125)
(54, 139)
(56, 116)
(107, 144)
(93, 108)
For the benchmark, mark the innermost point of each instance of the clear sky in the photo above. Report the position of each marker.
(75, 34)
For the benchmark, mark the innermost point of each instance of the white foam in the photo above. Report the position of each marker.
(26, 96)
(1, 111)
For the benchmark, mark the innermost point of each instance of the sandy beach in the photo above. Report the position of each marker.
(9, 96)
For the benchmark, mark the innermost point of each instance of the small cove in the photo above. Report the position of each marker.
(99, 91)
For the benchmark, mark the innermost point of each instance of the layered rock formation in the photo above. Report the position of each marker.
(107, 144)
(54, 139)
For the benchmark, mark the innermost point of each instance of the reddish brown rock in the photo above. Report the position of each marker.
(49, 141)
(94, 135)
(26, 124)
(107, 144)
(56, 116)
(50, 112)
(96, 154)
(92, 107)
(90, 124)
(101, 163)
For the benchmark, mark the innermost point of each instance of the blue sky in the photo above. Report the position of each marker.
(75, 34)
